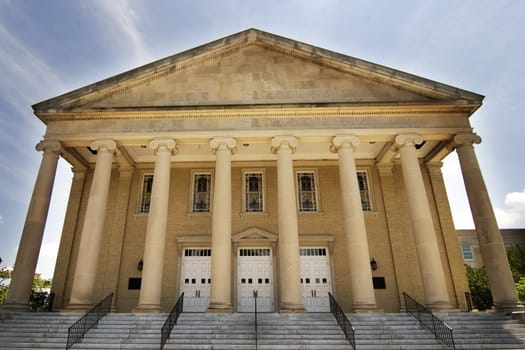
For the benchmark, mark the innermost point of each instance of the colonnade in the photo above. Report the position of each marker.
(363, 297)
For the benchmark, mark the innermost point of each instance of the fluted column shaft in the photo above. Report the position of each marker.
(363, 296)
(151, 286)
(87, 261)
(435, 289)
(221, 245)
(32, 234)
(489, 236)
(289, 264)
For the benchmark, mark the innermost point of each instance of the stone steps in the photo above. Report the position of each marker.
(275, 331)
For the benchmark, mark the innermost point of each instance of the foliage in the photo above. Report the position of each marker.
(516, 256)
(479, 288)
(520, 287)
(40, 295)
(5, 275)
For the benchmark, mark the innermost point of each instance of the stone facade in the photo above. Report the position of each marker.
(370, 139)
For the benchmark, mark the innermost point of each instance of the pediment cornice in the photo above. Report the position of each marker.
(81, 98)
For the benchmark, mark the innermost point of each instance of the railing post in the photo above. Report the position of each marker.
(256, 331)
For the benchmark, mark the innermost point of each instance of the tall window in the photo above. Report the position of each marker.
(467, 252)
(201, 192)
(306, 191)
(364, 189)
(145, 198)
(253, 192)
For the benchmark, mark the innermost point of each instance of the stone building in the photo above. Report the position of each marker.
(256, 162)
(470, 246)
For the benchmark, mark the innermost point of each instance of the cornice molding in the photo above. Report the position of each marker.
(281, 111)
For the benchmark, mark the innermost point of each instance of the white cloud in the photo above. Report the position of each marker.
(513, 215)
(1, 219)
(121, 15)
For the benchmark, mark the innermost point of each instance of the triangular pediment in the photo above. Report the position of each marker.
(254, 68)
(254, 234)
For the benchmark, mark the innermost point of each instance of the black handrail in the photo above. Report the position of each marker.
(86, 322)
(442, 332)
(255, 314)
(342, 320)
(171, 320)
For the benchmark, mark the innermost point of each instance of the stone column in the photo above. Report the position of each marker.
(221, 241)
(489, 237)
(32, 234)
(435, 288)
(289, 266)
(363, 297)
(151, 286)
(88, 254)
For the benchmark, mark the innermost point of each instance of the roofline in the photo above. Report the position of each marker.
(382, 72)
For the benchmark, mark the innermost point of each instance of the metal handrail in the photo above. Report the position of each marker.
(171, 320)
(442, 331)
(86, 322)
(255, 316)
(342, 320)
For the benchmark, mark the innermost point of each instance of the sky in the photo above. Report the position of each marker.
(51, 47)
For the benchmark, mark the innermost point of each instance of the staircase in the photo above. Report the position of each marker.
(276, 331)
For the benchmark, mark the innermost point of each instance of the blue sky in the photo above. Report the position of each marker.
(54, 46)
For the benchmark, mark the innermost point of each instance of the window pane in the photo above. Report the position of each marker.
(306, 191)
(145, 198)
(253, 192)
(467, 252)
(364, 190)
(201, 192)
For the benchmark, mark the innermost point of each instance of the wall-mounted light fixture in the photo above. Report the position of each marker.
(373, 264)
(140, 265)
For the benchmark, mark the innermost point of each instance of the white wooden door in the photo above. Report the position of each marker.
(315, 279)
(196, 279)
(255, 273)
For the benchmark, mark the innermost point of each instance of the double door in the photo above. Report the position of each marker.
(255, 274)
(315, 279)
(196, 279)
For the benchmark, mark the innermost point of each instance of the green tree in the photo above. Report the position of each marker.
(520, 287)
(479, 287)
(5, 276)
(516, 256)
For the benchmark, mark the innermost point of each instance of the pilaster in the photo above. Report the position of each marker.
(91, 238)
(435, 289)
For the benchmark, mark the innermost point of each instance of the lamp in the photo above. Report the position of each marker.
(140, 265)
(373, 264)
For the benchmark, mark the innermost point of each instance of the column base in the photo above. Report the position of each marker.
(292, 308)
(440, 306)
(365, 308)
(220, 308)
(78, 307)
(15, 307)
(508, 307)
(147, 308)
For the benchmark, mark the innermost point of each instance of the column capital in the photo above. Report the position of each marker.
(103, 145)
(408, 140)
(283, 141)
(49, 146)
(223, 143)
(167, 144)
(344, 141)
(464, 140)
